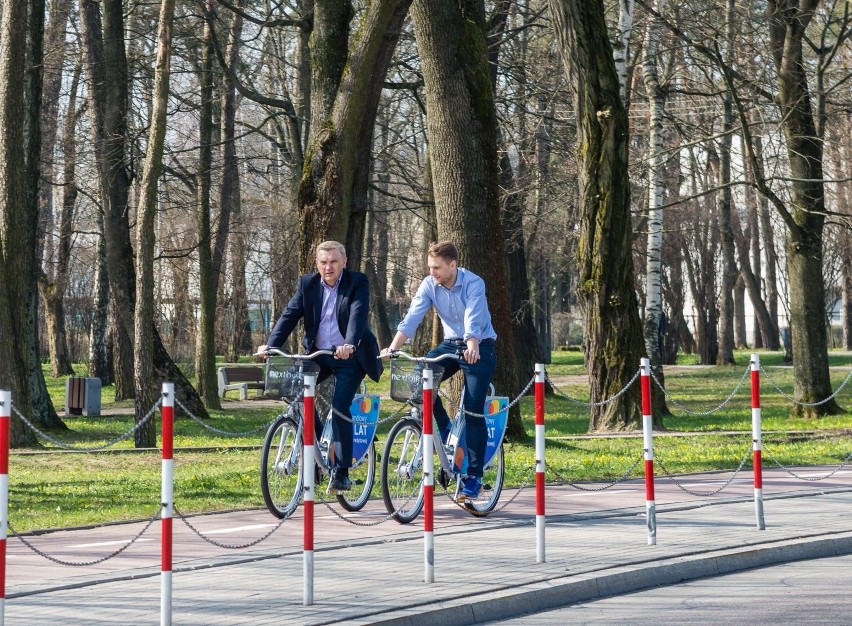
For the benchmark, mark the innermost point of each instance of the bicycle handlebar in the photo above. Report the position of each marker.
(419, 359)
(303, 357)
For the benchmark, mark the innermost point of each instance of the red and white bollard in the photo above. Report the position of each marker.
(5, 419)
(648, 438)
(539, 463)
(308, 473)
(167, 410)
(428, 480)
(756, 441)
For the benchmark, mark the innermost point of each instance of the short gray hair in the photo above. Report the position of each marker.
(332, 245)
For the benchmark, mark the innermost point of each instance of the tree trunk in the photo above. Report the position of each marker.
(147, 392)
(340, 113)
(622, 45)
(463, 133)
(527, 352)
(723, 204)
(205, 339)
(653, 321)
(231, 203)
(363, 156)
(613, 344)
(107, 70)
(100, 365)
(17, 227)
(805, 221)
(52, 284)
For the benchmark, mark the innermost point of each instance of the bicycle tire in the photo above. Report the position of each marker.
(402, 458)
(363, 477)
(281, 467)
(492, 485)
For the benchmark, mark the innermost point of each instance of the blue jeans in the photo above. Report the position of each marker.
(477, 379)
(348, 375)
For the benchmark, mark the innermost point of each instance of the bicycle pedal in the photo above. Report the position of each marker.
(443, 478)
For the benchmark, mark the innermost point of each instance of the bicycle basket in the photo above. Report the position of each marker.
(407, 380)
(285, 377)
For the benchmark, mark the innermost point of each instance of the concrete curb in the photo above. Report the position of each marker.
(551, 594)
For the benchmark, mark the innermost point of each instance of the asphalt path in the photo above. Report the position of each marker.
(818, 591)
(80, 556)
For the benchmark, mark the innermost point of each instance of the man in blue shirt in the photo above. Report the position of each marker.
(459, 297)
(334, 304)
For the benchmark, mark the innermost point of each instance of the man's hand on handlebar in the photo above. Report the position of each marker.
(344, 351)
(471, 353)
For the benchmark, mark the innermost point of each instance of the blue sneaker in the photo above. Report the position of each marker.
(471, 489)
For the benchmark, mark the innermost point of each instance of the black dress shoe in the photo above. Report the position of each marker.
(340, 484)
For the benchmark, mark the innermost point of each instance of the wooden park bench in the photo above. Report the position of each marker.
(241, 379)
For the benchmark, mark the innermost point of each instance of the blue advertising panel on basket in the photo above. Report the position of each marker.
(365, 419)
(496, 411)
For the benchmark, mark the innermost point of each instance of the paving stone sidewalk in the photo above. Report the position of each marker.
(485, 569)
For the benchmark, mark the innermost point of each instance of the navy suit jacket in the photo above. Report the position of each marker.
(352, 306)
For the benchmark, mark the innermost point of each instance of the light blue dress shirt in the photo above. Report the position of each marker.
(463, 309)
(328, 332)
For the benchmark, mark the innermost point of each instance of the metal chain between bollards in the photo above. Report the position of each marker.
(508, 406)
(348, 520)
(609, 485)
(59, 561)
(326, 406)
(702, 413)
(140, 424)
(228, 546)
(620, 393)
(224, 432)
(794, 401)
(702, 494)
(812, 479)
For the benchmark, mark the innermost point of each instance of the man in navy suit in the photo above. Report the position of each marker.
(334, 304)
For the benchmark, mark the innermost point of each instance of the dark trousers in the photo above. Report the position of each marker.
(348, 375)
(477, 379)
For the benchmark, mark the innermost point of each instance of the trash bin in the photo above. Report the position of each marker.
(82, 396)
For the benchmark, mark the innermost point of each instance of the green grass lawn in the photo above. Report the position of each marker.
(50, 488)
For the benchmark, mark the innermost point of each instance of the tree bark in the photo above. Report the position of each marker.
(147, 392)
(613, 343)
(205, 340)
(340, 112)
(463, 135)
(53, 288)
(107, 70)
(17, 225)
(653, 321)
(723, 205)
(52, 284)
(787, 23)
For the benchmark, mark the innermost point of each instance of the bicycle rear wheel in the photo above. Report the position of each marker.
(281, 467)
(402, 459)
(492, 485)
(363, 476)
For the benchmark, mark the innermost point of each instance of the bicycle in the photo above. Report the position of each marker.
(402, 459)
(281, 465)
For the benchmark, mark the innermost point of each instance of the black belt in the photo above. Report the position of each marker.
(462, 342)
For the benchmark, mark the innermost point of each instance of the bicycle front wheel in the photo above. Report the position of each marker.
(281, 467)
(492, 485)
(402, 462)
(363, 476)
